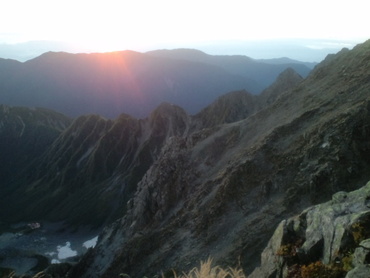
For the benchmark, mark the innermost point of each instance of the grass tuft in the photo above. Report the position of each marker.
(207, 271)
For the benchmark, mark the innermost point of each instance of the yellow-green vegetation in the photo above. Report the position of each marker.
(204, 271)
(315, 269)
(207, 271)
(359, 232)
(347, 262)
(286, 250)
(320, 270)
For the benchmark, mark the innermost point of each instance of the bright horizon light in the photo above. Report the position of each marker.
(112, 24)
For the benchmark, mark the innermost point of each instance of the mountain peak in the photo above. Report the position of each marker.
(286, 80)
(289, 73)
(231, 107)
(166, 109)
(169, 120)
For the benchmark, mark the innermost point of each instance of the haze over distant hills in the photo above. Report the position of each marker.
(307, 50)
(132, 82)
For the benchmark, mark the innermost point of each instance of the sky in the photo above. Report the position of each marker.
(144, 25)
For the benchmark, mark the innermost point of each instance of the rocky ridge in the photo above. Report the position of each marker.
(238, 105)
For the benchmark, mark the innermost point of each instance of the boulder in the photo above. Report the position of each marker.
(332, 233)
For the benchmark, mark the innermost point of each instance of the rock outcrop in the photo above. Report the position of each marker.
(334, 235)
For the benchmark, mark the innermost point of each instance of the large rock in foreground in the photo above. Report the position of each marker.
(332, 238)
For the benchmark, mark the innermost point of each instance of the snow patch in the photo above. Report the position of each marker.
(90, 243)
(325, 145)
(85, 155)
(23, 126)
(65, 251)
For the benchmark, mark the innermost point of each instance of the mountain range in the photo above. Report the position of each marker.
(172, 188)
(130, 82)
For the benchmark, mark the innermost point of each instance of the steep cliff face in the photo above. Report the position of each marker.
(220, 191)
(25, 135)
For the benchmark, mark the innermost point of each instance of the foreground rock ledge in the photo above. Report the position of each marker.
(335, 235)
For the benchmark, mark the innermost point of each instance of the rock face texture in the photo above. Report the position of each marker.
(220, 191)
(335, 233)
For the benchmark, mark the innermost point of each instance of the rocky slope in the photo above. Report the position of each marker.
(221, 191)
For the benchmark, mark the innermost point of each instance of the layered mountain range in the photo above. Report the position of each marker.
(130, 82)
(98, 159)
(173, 189)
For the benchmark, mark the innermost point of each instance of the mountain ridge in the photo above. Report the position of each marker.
(260, 71)
(125, 81)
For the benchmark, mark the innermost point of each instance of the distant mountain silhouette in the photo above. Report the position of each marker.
(263, 72)
(130, 82)
(286, 60)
